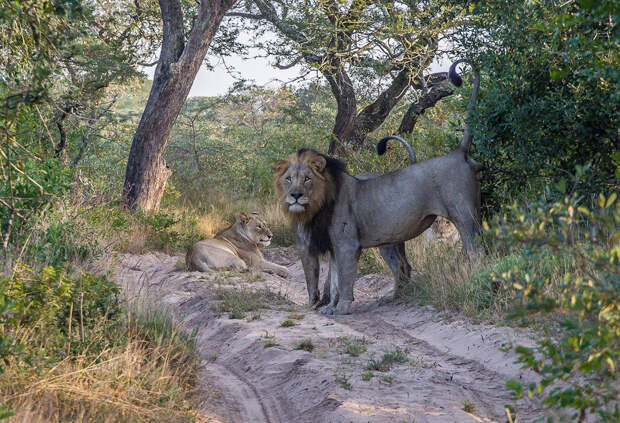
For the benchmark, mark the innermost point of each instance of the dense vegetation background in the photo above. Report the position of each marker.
(71, 97)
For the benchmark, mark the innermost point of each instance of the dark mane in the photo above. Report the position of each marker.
(318, 226)
(334, 166)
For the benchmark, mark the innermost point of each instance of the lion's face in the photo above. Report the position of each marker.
(256, 229)
(302, 185)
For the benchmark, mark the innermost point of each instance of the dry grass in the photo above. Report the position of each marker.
(441, 272)
(443, 276)
(133, 382)
(147, 374)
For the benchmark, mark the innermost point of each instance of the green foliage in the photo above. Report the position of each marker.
(162, 236)
(56, 307)
(578, 361)
(57, 59)
(550, 94)
(9, 347)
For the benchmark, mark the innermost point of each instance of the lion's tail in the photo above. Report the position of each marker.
(382, 147)
(456, 79)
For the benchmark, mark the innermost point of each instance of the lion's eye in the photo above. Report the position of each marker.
(288, 179)
(306, 180)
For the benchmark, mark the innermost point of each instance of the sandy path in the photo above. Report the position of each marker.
(449, 362)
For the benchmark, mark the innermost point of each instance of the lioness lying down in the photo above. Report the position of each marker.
(235, 248)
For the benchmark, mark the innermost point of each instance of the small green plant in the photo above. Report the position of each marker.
(270, 340)
(353, 346)
(469, 407)
(366, 376)
(236, 314)
(386, 361)
(287, 323)
(343, 380)
(305, 345)
(388, 379)
(396, 356)
(298, 316)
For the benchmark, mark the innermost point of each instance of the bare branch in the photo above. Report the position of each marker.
(86, 133)
(426, 101)
(290, 65)
(246, 15)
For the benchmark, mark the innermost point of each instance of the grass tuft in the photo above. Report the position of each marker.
(305, 345)
(387, 360)
(287, 323)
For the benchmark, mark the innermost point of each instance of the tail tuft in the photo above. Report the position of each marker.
(382, 146)
(455, 78)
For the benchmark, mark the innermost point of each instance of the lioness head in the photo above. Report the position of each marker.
(255, 228)
(305, 182)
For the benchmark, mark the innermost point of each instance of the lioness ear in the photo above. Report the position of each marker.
(280, 166)
(244, 219)
(318, 164)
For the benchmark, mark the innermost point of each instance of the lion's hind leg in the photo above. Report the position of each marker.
(468, 228)
(396, 258)
(214, 258)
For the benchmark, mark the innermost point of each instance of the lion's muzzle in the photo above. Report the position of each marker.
(296, 202)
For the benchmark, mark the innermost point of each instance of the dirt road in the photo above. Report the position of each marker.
(386, 362)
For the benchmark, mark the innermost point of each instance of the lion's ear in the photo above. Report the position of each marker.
(280, 166)
(244, 219)
(318, 164)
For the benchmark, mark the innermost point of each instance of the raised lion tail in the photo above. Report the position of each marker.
(382, 147)
(456, 79)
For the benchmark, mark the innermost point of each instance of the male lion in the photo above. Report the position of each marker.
(235, 247)
(340, 213)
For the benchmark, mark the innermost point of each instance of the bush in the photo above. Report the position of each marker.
(68, 350)
(56, 308)
(577, 359)
(545, 110)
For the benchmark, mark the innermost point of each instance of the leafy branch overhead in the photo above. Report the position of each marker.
(375, 50)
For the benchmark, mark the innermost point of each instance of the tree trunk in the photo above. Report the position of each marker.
(418, 108)
(343, 91)
(146, 174)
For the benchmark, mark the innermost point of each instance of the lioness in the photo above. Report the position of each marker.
(236, 248)
(340, 213)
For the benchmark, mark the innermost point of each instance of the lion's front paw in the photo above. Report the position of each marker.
(283, 272)
(327, 310)
(343, 307)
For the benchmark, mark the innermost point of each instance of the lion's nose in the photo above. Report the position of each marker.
(296, 195)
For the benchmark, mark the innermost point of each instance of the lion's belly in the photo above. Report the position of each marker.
(376, 230)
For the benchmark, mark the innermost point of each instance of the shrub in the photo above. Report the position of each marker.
(58, 309)
(543, 111)
(577, 358)
(67, 349)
